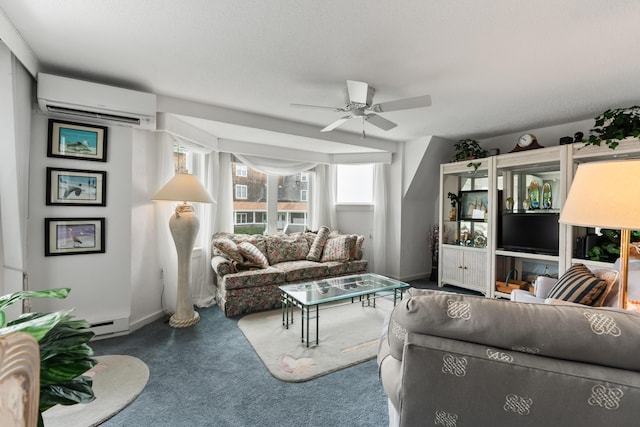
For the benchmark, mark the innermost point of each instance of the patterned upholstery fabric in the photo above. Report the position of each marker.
(297, 271)
(357, 248)
(315, 252)
(228, 248)
(253, 278)
(610, 277)
(338, 248)
(253, 254)
(286, 248)
(492, 362)
(578, 285)
(243, 287)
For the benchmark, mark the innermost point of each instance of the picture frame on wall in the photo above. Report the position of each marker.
(76, 187)
(74, 236)
(473, 205)
(71, 140)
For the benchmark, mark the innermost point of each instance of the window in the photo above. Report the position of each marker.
(241, 191)
(241, 218)
(241, 170)
(252, 190)
(354, 184)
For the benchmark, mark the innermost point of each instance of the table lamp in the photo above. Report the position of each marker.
(607, 194)
(184, 226)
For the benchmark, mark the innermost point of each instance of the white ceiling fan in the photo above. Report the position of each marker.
(361, 106)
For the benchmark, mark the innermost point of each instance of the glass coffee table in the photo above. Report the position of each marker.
(362, 288)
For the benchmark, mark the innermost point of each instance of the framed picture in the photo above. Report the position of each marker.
(73, 236)
(77, 141)
(76, 187)
(473, 205)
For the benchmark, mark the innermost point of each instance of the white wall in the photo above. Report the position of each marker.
(100, 283)
(146, 282)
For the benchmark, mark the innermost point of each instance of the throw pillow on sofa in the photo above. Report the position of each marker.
(253, 254)
(315, 252)
(287, 248)
(338, 248)
(228, 248)
(578, 285)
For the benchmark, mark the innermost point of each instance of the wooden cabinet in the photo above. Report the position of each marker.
(522, 177)
(464, 267)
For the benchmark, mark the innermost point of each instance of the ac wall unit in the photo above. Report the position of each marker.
(63, 96)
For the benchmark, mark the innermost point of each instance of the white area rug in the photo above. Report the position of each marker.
(348, 336)
(117, 381)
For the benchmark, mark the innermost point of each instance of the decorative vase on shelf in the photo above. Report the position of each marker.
(526, 204)
(546, 196)
(508, 204)
(452, 214)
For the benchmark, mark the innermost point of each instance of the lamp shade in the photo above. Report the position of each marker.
(184, 187)
(604, 194)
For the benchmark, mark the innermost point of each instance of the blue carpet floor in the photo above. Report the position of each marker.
(209, 375)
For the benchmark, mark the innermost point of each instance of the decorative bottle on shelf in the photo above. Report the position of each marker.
(526, 203)
(534, 195)
(546, 196)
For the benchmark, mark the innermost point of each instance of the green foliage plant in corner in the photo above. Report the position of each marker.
(64, 352)
(615, 125)
(469, 149)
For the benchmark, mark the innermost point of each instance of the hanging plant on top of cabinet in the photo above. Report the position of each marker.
(615, 125)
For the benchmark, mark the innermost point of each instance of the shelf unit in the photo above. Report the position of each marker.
(510, 175)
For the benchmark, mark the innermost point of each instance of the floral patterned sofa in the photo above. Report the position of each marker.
(249, 268)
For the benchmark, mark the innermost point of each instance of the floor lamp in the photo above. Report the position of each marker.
(607, 194)
(184, 226)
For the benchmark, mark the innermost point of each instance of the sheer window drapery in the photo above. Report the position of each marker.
(380, 176)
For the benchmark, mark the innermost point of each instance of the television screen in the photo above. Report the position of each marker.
(529, 232)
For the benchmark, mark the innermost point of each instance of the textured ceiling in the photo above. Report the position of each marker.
(491, 67)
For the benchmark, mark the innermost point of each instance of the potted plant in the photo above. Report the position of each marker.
(615, 125)
(607, 246)
(64, 352)
(469, 149)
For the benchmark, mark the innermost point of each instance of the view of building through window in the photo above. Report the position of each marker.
(250, 209)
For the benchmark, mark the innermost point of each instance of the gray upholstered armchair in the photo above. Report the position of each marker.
(459, 360)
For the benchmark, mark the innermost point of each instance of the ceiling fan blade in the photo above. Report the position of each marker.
(359, 92)
(402, 104)
(380, 121)
(337, 123)
(318, 107)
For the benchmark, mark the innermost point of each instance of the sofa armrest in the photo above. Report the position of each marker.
(521, 295)
(543, 286)
(221, 265)
(577, 330)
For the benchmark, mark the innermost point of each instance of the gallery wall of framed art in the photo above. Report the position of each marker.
(75, 188)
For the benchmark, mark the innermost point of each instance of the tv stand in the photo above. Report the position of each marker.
(478, 263)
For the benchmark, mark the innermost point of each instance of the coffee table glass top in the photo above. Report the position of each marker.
(340, 288)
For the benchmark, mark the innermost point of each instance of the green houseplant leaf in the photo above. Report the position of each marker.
(64, 352)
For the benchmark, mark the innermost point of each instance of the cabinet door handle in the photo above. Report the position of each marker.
(465, 267)
(460, 266)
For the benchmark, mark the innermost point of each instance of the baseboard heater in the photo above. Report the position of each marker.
(108, 328)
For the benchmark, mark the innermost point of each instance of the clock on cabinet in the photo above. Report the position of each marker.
(526, 141)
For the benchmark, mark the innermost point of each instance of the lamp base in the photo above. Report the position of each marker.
(174, 322)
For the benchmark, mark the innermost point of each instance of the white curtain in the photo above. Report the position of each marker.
(275, 166)
(322, 209)
(380, 176)
(211, 172)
